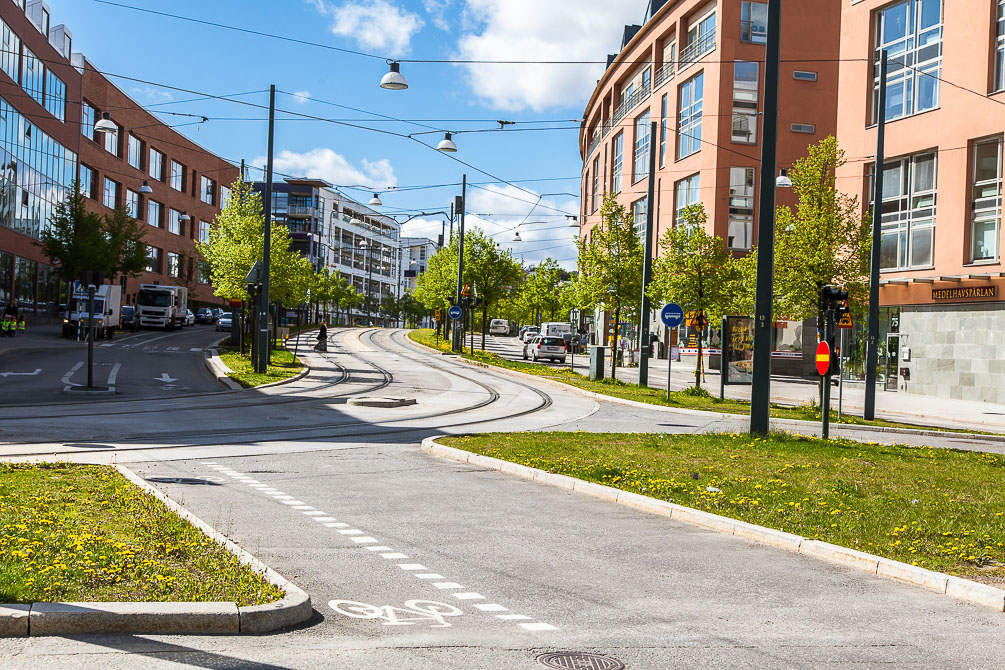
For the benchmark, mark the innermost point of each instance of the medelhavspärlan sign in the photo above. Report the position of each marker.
(964, 293)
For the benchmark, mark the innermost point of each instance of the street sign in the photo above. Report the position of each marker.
(254, 274)
(672, 315)
(845, 321)
(823, 358)
(454, 312)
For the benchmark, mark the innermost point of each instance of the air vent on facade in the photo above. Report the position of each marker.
(804, 75)
(807, 128)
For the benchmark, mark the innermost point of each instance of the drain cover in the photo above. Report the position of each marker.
(579, 660)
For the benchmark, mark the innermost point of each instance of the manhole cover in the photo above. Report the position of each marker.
(579, 660)
(190, 481)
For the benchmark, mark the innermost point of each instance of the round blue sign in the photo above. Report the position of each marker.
(672, 315)
(454, 312)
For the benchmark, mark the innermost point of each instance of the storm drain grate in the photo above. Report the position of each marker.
(579, 660)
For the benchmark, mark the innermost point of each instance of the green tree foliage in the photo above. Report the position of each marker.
(330, 290)
(78, 240)
(436, 286)
(696, 271)
(610, 264)
(541, 290)
(492, 272)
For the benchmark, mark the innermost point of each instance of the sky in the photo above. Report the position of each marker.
(169, 64)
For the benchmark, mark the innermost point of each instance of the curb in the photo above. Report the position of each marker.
(219, 370)
(175, 618)
(954, 587)
(306, 370)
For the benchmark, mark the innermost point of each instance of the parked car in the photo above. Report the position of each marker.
(204, 315)
(528, 333)
(552, 348)
(128, 320)
(499, 327)
(189, 318)
(217, 313)
(223, 323)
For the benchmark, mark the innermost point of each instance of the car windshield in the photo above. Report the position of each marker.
(225, 315)
(552, 341)
(154, 299)
(127, 310)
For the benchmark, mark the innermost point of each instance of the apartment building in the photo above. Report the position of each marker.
(942, 284)
(416, 252)
(696, 67)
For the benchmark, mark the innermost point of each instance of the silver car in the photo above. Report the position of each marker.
(223, 323)
(552, 348)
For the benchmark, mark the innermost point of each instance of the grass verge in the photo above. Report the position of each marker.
(689, 398)
(85, 533)
(282, 366)
(937, 508)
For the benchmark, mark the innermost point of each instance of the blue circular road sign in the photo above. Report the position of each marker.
(454, 312)
(672, 315)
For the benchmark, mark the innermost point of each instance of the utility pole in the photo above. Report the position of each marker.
(647, 262)
(872, 345)
(460, 206)
(264, 348)
(760, 396)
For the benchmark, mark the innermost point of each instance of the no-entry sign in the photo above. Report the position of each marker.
(823, 358)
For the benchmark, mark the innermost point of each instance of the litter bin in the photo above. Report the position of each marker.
(597, 362)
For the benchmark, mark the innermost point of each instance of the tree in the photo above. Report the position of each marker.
(492, 272)
(435, 287)
(78, 240)
(542, 290)
(610, 264)
(697, 271)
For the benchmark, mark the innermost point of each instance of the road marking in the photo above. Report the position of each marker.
(318, 513)
(491, 607)
(324, 518)
(167, 380)
(337, 525)
(196, 349)
(363, 540)
(106, 345)
(430, 575)
(350, 531)
(412, 566)
(113, 375)
(447, 585)
(380, 548)
(292, 502)
(414, 610)
(171, 349)
(393, 555)
(469, 596)
(512, 617)
(66, 378)
(302, 508)
(538, 625)
(20, 374)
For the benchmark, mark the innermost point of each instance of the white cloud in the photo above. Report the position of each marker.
(324, 163)
(567, 30)
(437, 12)
(301, 97)
(151, 95)
(373, 24)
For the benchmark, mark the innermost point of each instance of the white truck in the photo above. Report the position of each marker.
(159, 306)
(556, 328)
(107, 311)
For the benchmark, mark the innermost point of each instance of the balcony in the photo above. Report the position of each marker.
(694, 51)
(302, 211)
(664, 74)
(631, 103)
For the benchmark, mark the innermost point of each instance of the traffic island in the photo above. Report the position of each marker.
(365, 401)
(95, 549)
(930, 517)
(88, 391)
(283, 367)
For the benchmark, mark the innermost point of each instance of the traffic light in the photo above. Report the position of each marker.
(832, 296)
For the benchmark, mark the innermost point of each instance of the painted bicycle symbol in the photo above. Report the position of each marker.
(412, 612)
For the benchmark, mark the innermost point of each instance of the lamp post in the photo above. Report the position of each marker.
(460, 206)
(368, 260)
(872, 345)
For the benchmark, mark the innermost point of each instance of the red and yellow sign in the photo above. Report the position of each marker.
(823, 358)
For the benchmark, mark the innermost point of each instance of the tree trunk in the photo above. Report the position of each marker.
(614, 344)
(485, 317)
(701, 332)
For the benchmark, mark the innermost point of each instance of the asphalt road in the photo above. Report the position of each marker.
(458, 567)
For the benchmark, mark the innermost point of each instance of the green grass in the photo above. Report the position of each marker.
(690, 398)
(282, 366)
(938, 508)
(85, 533)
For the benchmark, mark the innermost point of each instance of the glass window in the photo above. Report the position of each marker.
(640, 168)
(177, 176)
(24, 283)
(110, 194)
(87, 183)
(111, 141)
(754, 22)
(155, 211)
(88, 117)
(639, 215)
(224, 196)
(204, 231)
(595, 196)
(10, 51)
(908, 213)
(700, 39)
(33, 76)
(132, 203)
(174, 264)
(745, 90)
(911, 33)
(55, 96)
(174, 221)
(207, 191)
(686, 193)
(156, 165)
(153, 259)
(987, 200)
(808, 128)
(740, 231)
(689, 116)
(617, 147)
(134, 152)
(663, 131)
(804, 75)
(1000, 47)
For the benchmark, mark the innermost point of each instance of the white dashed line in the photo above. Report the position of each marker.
(537, 626)
(394, 556)
(380, 548)
(447, 585)
(317, 513)
(430, 575)
(195, 349)
(324, 518)
(363, 540)
(512, 617)
(469, 596)
(337, 525)
(412, 566)
(350, 531)
(491, 607)
(292, 502)
(302, 508)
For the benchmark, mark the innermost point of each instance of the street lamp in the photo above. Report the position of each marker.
(447, 145)
(516, 237)
(145, 189)
(393, 79)
(105, 125)
(782, 180)
(375, 201)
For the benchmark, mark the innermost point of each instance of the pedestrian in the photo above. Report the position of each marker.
(20, 326)
(322, 344)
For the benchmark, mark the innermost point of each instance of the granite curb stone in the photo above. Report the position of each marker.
(14, 620)
(954, 587)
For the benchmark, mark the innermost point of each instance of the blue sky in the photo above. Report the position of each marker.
(440, 97)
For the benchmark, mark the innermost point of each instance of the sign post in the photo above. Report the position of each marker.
(824, 368)
(672, 316)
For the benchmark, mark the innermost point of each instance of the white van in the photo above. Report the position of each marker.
(499, 327)
(555, 329)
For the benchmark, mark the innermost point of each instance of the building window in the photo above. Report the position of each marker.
(908, 222)
(700, 38)
(110, 194)
(740, 232)
(224, 196)
(663, 131)
(804, 75)
(134, 152)
(174, 263)
(132, 203)
(112, 142)
(745, 76)
(156, 165)
(10, 51)
(33, 76)
(88, 117)
(686, 193)
(639, 214)
(155, 211)
(207, 191)
(595, 196)
(174, 221)
(153, 259)
(911, 33)
(204, 231)
(999, 47)
(640, 168)
(987, 200)
(689, 116)
(55, 96)
(177, 176)
(808, 128)
(616, 150)
(87, 182)
(754, 22)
